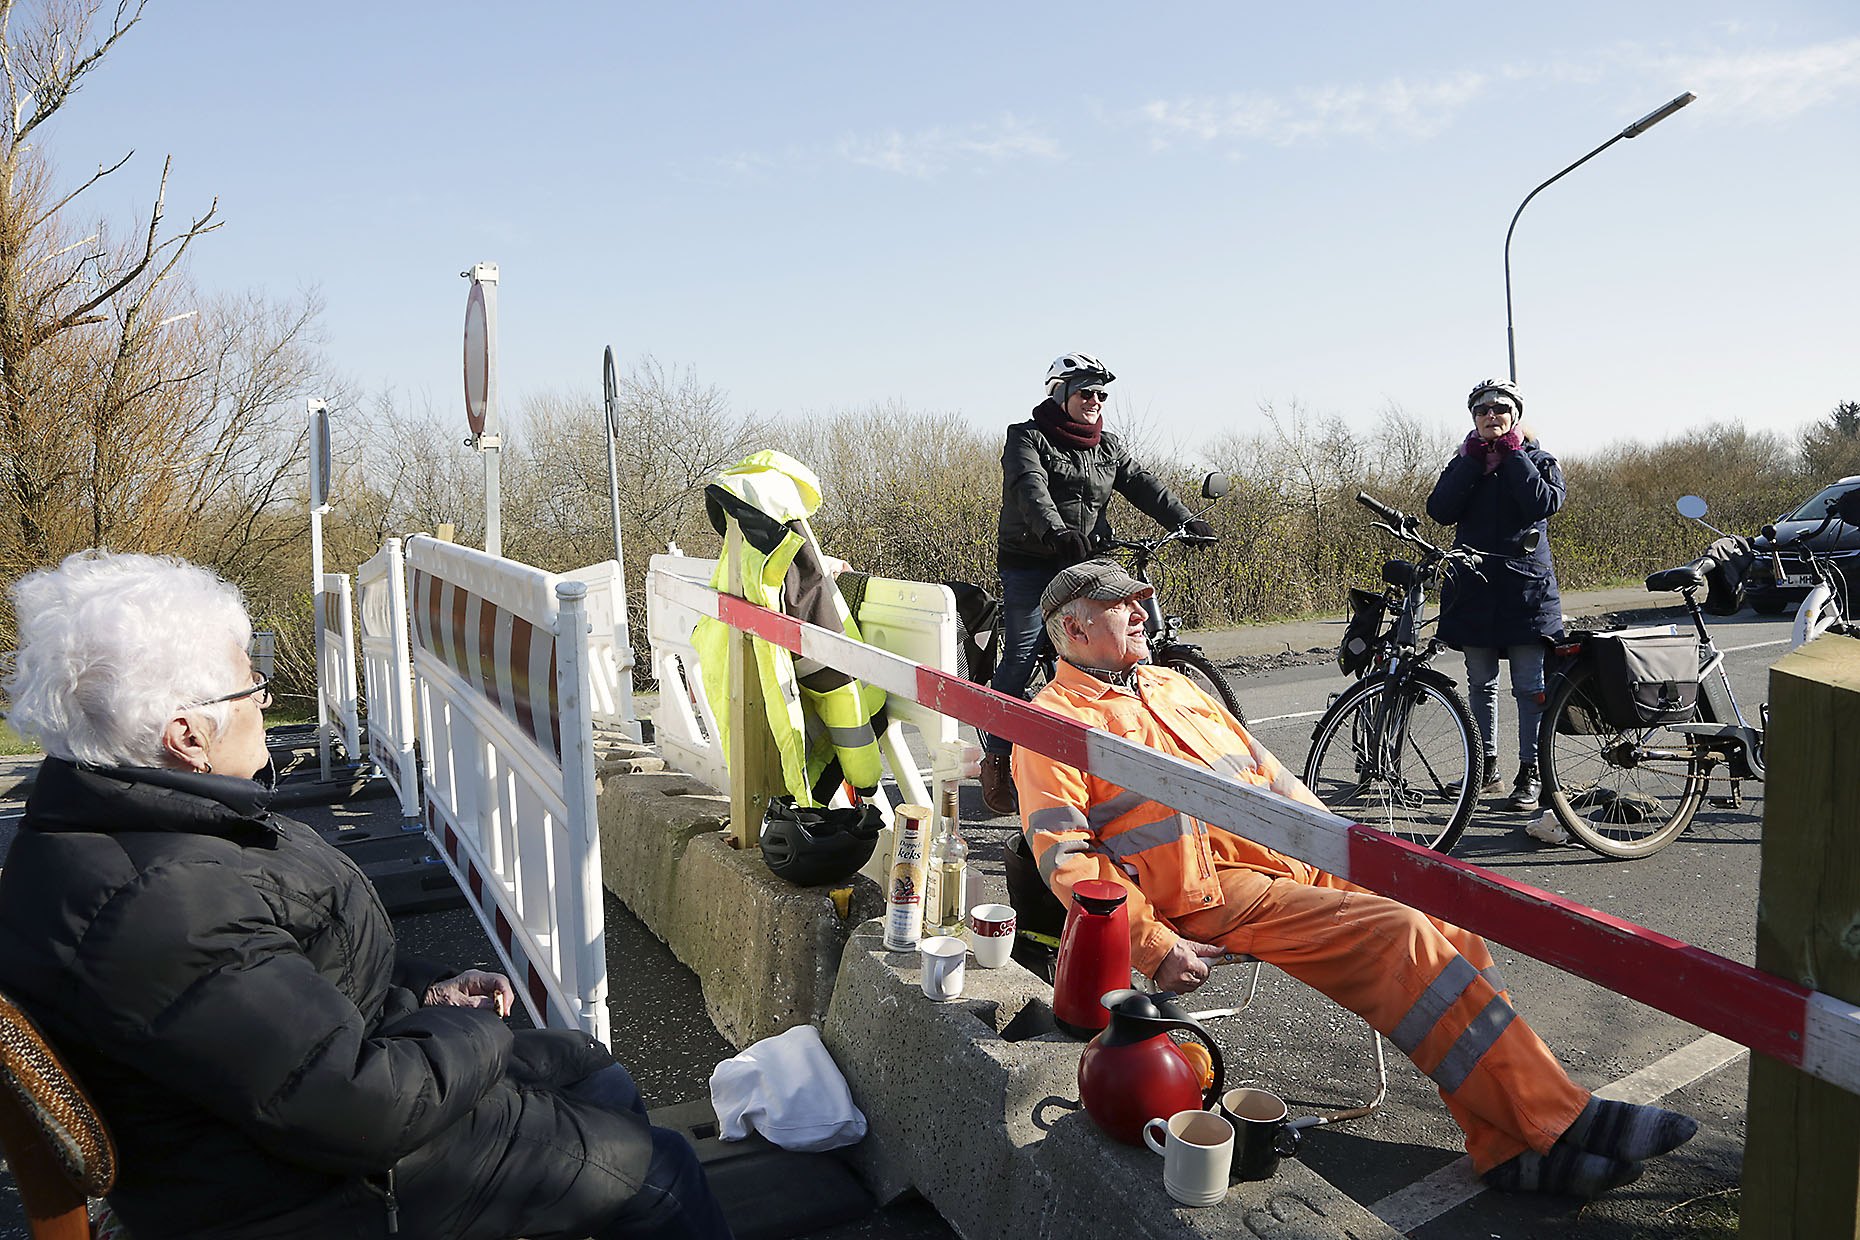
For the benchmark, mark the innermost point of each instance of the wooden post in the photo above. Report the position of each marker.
(753, 760)
(1802, 1152)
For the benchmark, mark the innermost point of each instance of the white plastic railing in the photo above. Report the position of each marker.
(387, 672)
(338, 702)
(503, 676)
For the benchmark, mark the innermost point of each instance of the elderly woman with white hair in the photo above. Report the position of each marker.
(226, 985)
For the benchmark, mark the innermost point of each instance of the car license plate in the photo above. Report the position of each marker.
(1797, 579)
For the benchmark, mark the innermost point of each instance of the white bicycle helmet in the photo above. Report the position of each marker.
(1071, 366)
(1501, 387)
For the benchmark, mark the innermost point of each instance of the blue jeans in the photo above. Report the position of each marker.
(1019, 636)
(1527, 685)
(675, 1202)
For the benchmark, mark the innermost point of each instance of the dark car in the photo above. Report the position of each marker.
(1839, 544)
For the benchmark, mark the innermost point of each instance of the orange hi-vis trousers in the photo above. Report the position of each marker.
(1429, 987)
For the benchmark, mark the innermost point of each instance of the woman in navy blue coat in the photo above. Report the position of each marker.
(1498, 487)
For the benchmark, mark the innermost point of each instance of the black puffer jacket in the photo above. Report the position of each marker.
(1516, 601)
(225, 985)
(1047, 488)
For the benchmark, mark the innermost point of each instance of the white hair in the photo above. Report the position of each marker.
(1079, 609)
(113, 646)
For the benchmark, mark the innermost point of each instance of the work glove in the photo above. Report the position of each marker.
(1200, 532)
(1071, 546)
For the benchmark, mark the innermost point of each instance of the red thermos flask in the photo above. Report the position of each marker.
(1094, 956)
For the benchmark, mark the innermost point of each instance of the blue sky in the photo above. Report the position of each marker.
(817, 207)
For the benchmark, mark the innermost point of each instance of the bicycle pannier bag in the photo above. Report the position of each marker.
(1360, 636)
(1645, 680)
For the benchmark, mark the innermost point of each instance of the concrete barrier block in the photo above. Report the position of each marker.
(647, 820)
(951, 1091)
(765, 950)
(974, 1103)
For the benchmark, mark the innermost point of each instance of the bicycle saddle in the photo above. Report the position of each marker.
(1684, 578)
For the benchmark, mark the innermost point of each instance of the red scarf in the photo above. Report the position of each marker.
(1051, 417)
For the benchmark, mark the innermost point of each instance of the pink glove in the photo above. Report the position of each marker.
(1510, 441)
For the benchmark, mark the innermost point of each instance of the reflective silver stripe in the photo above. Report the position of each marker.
(1236, 764)
(852, 738)
(1440, 995)
(1057, 854)
(1150, 835)
(1105, 813)
(1470, 1047)
(1491, 975)
(1056, 818)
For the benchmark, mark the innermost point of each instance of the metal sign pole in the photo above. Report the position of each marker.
(318, 411)
(623, 645)
(481, 393)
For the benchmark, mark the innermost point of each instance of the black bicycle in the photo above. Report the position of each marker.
(1167, 649)
(1398, 750)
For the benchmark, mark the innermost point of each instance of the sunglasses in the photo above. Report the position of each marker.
(1482, 409)
(260, 692)
(1094, 394)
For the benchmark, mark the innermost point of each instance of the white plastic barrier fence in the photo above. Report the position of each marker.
(503, 671)
(610, 658)
(338, 704)
(387, 672)
(912, 619)
(1803, 1028)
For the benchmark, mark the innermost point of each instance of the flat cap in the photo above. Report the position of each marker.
(1104, 580)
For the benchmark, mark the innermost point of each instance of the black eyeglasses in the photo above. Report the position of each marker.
(1097, 394)
(260, 692)
(1491, 408)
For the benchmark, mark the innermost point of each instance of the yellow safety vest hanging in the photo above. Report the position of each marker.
(816, 713)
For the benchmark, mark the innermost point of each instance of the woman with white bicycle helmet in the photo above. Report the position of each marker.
(1499, 486)
(1058, 471)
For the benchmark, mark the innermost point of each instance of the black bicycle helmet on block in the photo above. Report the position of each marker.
(812, 847)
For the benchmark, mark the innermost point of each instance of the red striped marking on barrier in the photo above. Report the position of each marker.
(1805, 1029)
(446, 614)
(525, 976)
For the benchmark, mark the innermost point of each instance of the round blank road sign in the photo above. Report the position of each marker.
(477, 359)
(612, 392)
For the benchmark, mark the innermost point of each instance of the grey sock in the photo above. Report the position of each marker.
(1628, 1132)
(1565, 1169)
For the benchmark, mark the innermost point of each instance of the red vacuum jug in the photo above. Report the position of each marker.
(1094, 956)
(1132, 1072)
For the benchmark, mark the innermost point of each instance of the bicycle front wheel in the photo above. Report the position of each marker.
(1622, 792)
(1404, 759)
(1207, 677)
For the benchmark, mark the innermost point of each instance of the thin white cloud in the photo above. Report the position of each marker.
(929, 153)
(1395, 107)
(1768, 84)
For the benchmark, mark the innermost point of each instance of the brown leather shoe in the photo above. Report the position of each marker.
(998, 792)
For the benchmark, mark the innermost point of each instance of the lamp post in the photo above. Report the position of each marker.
(1632, 131)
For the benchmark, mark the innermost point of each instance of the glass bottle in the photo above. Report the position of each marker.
(946, 904)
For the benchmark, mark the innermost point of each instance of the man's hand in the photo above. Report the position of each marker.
(474, 988)
(1186, 966)
(1200, 533)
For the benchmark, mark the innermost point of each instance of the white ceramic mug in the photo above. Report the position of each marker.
(941, 959)
(991, 934)
(1197, 1149)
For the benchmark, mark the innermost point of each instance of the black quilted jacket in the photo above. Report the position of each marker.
(225, 986)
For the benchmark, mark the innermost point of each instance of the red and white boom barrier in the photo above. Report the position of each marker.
(1803, 1028)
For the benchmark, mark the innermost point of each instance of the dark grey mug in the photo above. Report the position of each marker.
(1262, 1132)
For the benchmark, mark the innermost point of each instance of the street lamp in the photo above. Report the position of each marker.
(1632, 131)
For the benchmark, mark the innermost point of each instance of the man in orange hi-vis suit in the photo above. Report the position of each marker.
(1198, 891)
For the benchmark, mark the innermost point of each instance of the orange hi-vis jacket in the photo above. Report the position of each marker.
(1079, 826)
